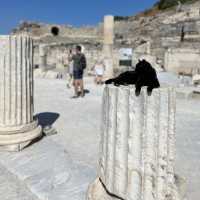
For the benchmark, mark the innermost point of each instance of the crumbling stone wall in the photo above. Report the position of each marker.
(182, 60)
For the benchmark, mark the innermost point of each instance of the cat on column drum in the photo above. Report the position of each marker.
(143, 75)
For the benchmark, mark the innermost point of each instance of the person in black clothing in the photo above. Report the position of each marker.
(79, 64)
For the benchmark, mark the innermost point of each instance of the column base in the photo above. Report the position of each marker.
(16, 141)
(14, 147)
(97, 191)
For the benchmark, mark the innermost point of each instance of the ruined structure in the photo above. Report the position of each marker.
(108, 46)
(43, 57)
(137, 146)
(183, 60)
(149, 35)
(90, 38)
(17, 124)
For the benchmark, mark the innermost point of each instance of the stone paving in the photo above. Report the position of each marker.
(11, 188)
(188, 145)
(48, 171)
(61, 166)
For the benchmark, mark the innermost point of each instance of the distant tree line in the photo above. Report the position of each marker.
(121, 18)
(164, 4)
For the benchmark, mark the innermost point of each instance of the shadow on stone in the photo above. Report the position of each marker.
(47, 118)
(111, 194)
(36, 140)
(86, 91)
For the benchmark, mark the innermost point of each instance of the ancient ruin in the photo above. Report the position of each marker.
(152, 36)
(43, 57)
(108, 46)
(17, 124)
(182, 60)
(137, 146)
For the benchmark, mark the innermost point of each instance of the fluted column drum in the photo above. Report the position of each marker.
(137, 146)
(17, 125)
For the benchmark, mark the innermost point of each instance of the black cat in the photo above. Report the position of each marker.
(144, 75)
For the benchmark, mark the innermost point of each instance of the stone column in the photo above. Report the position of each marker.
(42, 57)
(137, 146)
(108, 45)
(17, 125)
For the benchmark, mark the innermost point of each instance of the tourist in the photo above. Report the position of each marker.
(99, 69)
(79, 64)
(69, 70)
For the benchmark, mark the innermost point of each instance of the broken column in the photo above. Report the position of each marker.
(108, 45)
(137, 146)
(17, 125)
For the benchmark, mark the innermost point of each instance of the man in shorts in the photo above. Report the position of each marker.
(79, 64)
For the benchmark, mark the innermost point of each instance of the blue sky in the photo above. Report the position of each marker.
(74, 12)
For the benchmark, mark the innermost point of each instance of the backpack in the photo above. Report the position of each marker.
(83, 62)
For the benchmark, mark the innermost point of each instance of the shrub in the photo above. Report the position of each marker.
(164, 4)
(121, 18)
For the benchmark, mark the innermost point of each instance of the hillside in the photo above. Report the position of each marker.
(164, 4)
(162, 28)
(161, 6)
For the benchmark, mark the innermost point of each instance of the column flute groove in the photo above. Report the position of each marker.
(141, 133)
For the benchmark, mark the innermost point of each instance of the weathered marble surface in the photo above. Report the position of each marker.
(13, 189)
(137, 145)
(17, 125)
(48, 171)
